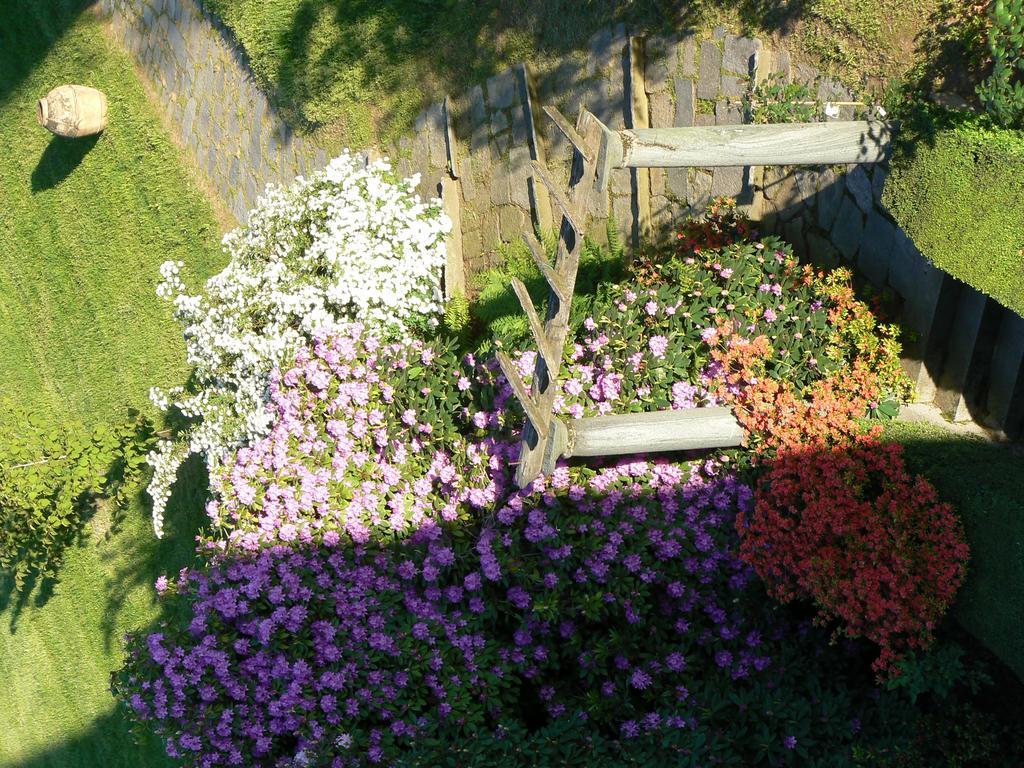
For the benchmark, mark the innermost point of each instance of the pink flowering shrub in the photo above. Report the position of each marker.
(369, 440)
(655, 341)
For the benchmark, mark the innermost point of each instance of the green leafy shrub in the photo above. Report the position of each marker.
(776, 101)
(956, 187)
(1002, 93)
(52, 476)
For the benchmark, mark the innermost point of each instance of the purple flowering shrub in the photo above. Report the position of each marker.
(369, 440)
(292, 653)
(618, 587)
(605, 593)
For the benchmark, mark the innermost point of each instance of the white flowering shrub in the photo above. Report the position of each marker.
(351, 243)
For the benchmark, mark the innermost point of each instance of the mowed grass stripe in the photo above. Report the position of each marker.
(79, 263)
(83, 230)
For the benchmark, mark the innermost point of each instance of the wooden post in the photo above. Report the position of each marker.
(538, 450)
(831, 143)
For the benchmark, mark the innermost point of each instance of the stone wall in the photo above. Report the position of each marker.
(475, 151)
(225, 120)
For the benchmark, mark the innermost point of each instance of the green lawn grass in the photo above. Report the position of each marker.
(362, 70)
(985, 482)
(84, 227)
(355, 72)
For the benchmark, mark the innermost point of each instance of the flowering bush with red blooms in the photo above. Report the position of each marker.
(720, 226)
(869, 542)
(775, 416)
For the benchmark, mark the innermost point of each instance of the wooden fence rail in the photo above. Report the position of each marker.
(861, 141)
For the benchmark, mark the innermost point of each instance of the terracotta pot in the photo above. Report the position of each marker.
(73, 111)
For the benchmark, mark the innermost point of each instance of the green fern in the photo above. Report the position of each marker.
(497, 309)
(616, 247)
(456, 315)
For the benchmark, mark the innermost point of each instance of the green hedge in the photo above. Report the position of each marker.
(985, 482)
(957, 189)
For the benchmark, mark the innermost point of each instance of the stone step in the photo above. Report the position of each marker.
(1005, 398)
(969, 349)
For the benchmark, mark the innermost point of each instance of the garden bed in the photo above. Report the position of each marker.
(374, 589)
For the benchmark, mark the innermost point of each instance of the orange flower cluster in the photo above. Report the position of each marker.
(774, 415)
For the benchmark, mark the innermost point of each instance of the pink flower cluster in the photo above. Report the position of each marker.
(368, 441)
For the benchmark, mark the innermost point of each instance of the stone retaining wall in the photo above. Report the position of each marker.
(475, 151)
(227, 122)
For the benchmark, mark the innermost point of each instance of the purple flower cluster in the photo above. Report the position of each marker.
(368, 441)
(317, 656)
(624, 584)
(613, 592)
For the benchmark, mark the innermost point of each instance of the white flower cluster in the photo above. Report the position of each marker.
(351, 243)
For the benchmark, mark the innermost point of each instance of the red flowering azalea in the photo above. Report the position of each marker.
(870, 543)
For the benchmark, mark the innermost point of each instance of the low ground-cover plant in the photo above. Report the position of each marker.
(52, 477)
(949, 168)
(350, 243)
(871, 544)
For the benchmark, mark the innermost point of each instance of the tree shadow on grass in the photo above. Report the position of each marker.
(148, 557)
(111, 521)
(330, 57)
(103, 744)
(59, 160)
(28, 30)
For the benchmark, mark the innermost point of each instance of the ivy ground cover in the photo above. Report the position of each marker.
(83, 227)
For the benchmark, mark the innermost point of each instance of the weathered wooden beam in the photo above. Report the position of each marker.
(653, 432)
(536, 326)
(555, 282)
(863, 141)
(538, 448)
(569, 132)
(567, 210)
(538, 417)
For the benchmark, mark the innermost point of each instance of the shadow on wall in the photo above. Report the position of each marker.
(321, 60)
(963, 350)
